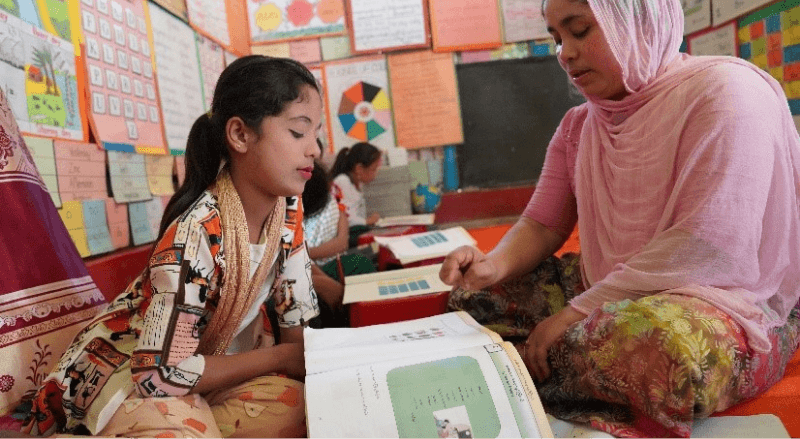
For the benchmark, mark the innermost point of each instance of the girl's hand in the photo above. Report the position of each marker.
(468, 268)
(373, 219)
(544, 335)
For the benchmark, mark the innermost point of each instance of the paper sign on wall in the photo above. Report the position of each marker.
(715, 42)
(44, 157)
(118, 225)
(388, 24)
(128, 177)
(212, 63)
(426, 106)
(697, 15)
(179, 82)
(141, 229)
(159, 174)
(96, 225)
(523, 20)
(71, 213)
(211, 17)
(81, 170)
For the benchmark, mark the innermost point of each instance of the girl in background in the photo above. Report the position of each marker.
(325, 227)
(186, 346)
(353, 168)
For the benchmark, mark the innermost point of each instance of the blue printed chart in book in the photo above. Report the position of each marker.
(38, 76)
(441, 376)
(393, 284)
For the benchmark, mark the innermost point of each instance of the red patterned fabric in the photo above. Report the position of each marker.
(46, 293)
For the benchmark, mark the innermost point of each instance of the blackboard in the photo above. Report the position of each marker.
(510, 110)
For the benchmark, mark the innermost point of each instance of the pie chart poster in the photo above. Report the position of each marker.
(359, 104)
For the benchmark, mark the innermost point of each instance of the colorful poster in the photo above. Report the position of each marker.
(359, 103)
(725, 10)
(125, 114)
(50, 15)
(277, 50)
(38, 75)
(179, 82)
(44, 157)
(274, 20)
(770, 39)
(387, 24)
(128, 177)
(211, 18)
(714, 42)
(426, 106)
(523, 20)
(81, 171)
(697, 15)
(212, 63)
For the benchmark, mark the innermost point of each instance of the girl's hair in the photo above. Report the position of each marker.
(252, 88)
(362, 153)
(317, 191)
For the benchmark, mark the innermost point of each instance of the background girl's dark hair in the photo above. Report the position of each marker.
(361, 153)
(318, 189)
(251, 88)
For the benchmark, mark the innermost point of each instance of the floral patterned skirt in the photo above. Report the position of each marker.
(634, 368)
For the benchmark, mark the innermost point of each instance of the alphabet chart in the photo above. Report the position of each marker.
(125, 113)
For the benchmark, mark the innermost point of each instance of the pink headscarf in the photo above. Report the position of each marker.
(689, 185)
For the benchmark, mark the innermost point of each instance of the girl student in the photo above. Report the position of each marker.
(187, 348)
(683, 175)
(354, 167)
(325, 228)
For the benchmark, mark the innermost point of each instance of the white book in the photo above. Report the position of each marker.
(440, 376)
(423, 219)
(394, 284)
(427, 245)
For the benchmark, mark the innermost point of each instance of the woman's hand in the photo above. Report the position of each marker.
(544, 335)
(468, 268)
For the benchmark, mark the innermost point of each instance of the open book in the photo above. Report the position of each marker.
(394, 284)
(428, 245)
(423, 219)
(441, 376)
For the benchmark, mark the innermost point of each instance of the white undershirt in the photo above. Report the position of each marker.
(246, 333)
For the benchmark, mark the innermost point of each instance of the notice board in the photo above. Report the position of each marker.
(510, 110)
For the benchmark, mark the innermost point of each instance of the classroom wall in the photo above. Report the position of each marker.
(107, 90)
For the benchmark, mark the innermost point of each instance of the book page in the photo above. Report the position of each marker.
(428, 245)
(394, 284)
(336, 348)
(468, 392)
